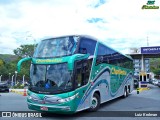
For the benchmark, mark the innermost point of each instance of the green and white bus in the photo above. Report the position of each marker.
(76, 72)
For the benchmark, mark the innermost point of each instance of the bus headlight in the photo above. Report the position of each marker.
(67, 99)
(29, 97)
(33, 97)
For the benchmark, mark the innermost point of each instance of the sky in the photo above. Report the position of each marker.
(121, 24)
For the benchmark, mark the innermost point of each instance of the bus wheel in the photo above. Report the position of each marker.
(95, 103)
(125, 94)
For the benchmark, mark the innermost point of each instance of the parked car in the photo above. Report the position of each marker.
(155, 82)
(4, 87)
(150, 81)
(158, 83)
(136, 83)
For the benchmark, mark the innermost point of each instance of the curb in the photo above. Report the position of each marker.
(142, 89)
(18, 92)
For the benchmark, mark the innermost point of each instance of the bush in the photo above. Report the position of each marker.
(18, 86)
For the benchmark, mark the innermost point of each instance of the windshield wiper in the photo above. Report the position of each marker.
(53, 84)
(69, 81)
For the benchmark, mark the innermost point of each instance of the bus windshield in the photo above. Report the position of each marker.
(50, 78)
(56, 47)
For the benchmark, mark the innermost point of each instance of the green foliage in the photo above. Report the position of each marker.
(24, 51)
(19, 86)
(155, 65)
(8, 63)
(8, 58)
(1, 63)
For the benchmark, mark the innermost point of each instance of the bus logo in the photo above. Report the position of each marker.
(150, 5)
(44, 108)
(118, 72)
(6, 114)
(150, 2)
(43, 102)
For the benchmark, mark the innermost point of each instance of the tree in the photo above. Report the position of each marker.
(1, 63)
(155, 65)
(24, 51)
(8, 63)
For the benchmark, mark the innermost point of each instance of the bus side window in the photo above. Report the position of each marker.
(102, 56)
(87, 46)
(85, 72)
(82, 73)
(78, 74)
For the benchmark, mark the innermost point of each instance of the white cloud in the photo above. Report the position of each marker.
(123, 21)
(7, 44)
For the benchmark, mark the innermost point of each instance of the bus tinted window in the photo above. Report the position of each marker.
(56, 47)
(82, 72)
(110, 56)
(87, 46)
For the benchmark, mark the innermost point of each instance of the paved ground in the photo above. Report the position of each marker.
(146, 101)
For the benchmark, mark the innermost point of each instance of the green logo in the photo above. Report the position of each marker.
(150, 2)
(150, 5)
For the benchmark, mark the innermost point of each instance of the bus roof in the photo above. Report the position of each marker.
(129, 57)
(96, 39)
(80, 35)
(85, 36)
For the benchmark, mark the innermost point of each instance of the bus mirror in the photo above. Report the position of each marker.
(21, 61)
(99, 60)
(35, 69)
(83, 50)
(85, 66)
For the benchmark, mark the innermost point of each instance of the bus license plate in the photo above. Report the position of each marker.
(44, 108)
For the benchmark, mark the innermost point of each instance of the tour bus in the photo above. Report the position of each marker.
(76, 72)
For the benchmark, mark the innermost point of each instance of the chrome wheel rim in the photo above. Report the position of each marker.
(125, 93)
(94, 102)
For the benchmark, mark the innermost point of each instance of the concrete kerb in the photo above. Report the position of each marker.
(18, 91)
(142, 89)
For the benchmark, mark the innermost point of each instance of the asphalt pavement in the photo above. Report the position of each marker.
(147, 101)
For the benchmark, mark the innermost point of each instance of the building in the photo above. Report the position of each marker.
(141, 60)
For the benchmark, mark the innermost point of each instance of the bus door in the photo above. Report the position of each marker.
(82, 71)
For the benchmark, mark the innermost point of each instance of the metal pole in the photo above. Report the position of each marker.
(15, 77)
(9, 81)
(12, 80)
(0, 78)
(23, 79)
(147, 41)
(142, 67)
(9, 76)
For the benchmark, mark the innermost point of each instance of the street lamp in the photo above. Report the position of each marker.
(12, 80)
(9, 76)
(23, 79)
(15, 76)
(0, 78)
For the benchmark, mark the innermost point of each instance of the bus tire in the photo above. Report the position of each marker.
(129, 89)
(95, 103)
(125, 93)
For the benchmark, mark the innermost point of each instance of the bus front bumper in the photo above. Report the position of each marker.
(48, 108)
